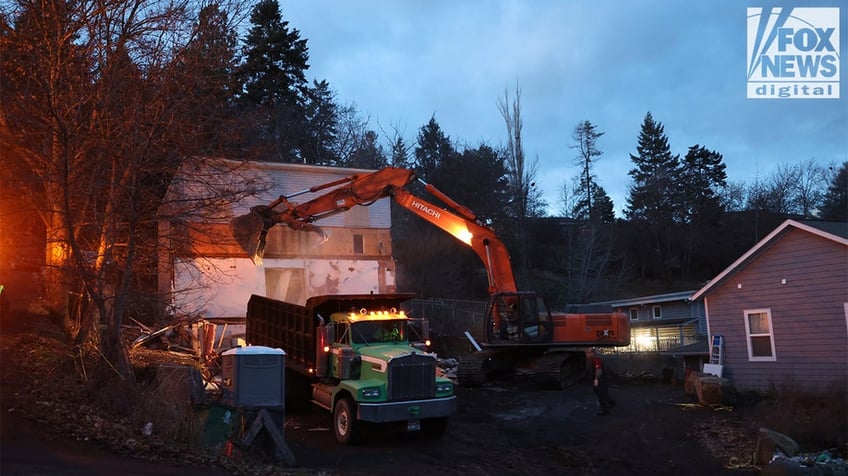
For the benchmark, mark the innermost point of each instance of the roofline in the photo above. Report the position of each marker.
(286, 165)
(763, 244)
(656, 298)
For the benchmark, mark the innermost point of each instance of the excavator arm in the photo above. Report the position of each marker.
(250, 230)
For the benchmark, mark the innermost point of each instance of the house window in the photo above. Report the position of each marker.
(634, 313)
(657, 312)
(760, 336)
(358, 247)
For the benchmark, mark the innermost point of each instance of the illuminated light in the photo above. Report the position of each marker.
(460, 231)
(644, 342)
(380, 315)
(326, 349)
(427, 342)
(57, 252)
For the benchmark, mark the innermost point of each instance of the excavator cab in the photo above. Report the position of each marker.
(518, 318)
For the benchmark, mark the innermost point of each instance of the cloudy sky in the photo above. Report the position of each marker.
(609, 62)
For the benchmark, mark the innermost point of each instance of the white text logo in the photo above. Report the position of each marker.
(793, 53)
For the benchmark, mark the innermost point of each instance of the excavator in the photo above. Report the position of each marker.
(520, 332)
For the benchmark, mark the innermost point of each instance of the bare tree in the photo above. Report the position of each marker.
(521, 175)
(95, 116)
(809, 189)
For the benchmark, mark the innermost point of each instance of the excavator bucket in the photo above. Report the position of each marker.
(249, 232)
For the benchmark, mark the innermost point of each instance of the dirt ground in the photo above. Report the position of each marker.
(512, 428)
(506, 427)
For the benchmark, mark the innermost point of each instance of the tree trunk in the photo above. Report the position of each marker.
(56, 278)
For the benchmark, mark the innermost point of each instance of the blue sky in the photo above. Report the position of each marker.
(609, 62)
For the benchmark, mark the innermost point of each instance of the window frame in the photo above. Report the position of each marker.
(746, 313)
(656, 311)
(634, 313)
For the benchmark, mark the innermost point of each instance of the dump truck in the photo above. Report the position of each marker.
(363, 358)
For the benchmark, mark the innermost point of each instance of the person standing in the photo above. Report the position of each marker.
(600, 382)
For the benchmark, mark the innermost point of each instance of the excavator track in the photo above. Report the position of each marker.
(558, 370)
(478, 368)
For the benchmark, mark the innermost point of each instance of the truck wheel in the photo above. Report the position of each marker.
(344, 422)
(434, 427)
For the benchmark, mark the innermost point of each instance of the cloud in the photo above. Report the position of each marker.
(608, 62)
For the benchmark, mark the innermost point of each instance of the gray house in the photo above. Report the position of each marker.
(662, 322)
(779, 313)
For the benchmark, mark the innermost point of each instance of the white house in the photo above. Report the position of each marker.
(206, 273)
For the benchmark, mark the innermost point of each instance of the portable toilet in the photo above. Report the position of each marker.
(254, 377)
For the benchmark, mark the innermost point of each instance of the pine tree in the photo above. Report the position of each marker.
(275, 86)
(586, 136)
(836, 199)
(320, 130)
(598, 209)
(368, 154)
(433, 150)
(702, 176)
(654, 201)
(207, 82)
(655, 195)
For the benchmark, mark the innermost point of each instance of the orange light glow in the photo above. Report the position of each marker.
(57, 252)
(326, 349)
(460, 231)
(365, 315)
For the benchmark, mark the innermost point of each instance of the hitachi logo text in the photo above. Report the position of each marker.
(426, 209)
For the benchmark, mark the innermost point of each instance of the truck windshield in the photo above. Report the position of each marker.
(370, 332)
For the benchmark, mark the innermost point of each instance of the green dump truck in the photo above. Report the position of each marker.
(364, 360)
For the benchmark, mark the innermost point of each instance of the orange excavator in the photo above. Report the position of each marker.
(520, 331)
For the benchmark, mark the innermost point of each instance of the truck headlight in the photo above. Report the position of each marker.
(370, 393)
(444, 388)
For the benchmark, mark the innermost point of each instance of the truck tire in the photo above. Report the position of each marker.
(344, 422)
(434, 427)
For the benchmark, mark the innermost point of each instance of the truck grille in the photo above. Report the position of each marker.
(412, 377)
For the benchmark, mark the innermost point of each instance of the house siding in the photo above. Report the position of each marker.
(807, 314)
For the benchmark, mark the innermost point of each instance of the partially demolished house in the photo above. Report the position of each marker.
(204, 271)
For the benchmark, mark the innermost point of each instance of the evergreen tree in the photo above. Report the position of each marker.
(400, 153)
(653, 202)
(702, 177)
(433, 150)
(206, 79)
(655, 195)
(586, 136)
(275, 86)
(836, 199)
(368, 154)
(598, 208)
(320, 131)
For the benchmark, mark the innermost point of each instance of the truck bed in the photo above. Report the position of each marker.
(292, 327)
